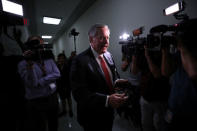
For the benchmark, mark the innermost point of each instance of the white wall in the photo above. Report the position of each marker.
(121, 16)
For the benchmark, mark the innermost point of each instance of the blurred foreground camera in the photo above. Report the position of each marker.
(160, 36)
(153, 41)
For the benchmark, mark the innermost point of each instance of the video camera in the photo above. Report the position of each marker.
(154, 41)
(39, 51)
(35, 45)
(158, 36)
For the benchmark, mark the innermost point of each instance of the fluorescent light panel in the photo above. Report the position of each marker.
(50, 20)
(172, 9)
(12, 7)
(46, 37)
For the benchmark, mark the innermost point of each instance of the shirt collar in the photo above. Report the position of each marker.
(96, 55)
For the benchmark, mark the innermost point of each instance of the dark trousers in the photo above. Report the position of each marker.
(104, 124)
(42, 114)
(97, 128)
(12, 112)
(183, 123)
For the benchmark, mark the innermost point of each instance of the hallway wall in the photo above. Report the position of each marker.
(121, 16)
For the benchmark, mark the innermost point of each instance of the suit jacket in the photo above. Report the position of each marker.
(90, 88)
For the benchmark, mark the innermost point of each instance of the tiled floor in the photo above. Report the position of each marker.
(70, 124)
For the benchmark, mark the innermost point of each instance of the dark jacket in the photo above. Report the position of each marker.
(90, 89)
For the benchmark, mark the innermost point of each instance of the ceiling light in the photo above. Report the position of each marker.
(46, 36)
(50, 20)
(12, 7)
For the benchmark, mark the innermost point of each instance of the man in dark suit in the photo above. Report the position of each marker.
(92, 84)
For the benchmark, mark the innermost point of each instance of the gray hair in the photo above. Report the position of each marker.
(93, 29)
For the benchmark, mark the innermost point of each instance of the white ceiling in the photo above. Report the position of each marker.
(67, 10)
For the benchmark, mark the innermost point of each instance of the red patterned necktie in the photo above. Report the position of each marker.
(106, 72)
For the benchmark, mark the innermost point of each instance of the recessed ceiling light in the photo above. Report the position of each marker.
(50, 20)
(46, 36)
(12, 7)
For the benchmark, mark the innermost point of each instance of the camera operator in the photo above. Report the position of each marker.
(129, 62)
(131, 109)
(39, 74)
(154, 89)
(183, 95)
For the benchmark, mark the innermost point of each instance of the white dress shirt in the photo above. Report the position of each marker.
(96, 55)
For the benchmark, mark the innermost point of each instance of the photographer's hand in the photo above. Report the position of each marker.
(189, 63)
(146, 52)
(43, 69)
(124, 65)
(134, 68)
(28, 54)
(125, 62)
(156, 71)
(167, 65)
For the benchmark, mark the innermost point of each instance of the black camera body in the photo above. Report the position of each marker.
(132, 46)
(154, 41)
(160, 36)
(39, 51)
(33, 45)
(157, 38)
